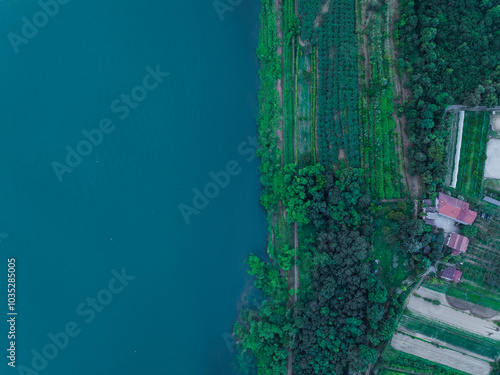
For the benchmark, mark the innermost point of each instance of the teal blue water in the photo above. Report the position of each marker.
(119, 208)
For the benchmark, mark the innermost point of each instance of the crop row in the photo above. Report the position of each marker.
(379, 139)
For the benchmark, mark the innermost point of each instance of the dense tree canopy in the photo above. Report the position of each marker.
(451, 53)
(338, 326)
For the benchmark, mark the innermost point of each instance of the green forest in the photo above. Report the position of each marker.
(450, 51)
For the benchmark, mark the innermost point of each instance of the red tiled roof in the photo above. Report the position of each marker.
(456, 209)
(457, 276)
(449, 273)
(458, 243)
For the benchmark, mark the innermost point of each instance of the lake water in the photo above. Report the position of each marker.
(118, 207)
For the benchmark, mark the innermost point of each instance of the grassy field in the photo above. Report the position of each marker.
(390, 276)
(398, 360)
(492, 184)
(473, 154)
(469, 293)
(382, 152)
(289, 81)
(283, 233)
(392, 270)
(304, 134)
(467, 341)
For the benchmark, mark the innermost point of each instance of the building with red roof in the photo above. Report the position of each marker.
(452, 274)
(458, 243)
(455, 209)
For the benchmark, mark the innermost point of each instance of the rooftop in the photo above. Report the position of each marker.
(458, 243)
(456, 209)
(452, 274)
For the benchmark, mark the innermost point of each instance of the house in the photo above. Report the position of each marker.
(455, 209)
(451, 274)
(458, 243)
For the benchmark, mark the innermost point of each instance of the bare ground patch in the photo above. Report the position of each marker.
(495, 123)
(440, 355)
(492, 167)
(451, 316)
(459, 304)
(319, 18)
(342, 154)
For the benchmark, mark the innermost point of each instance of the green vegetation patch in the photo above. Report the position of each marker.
(289, 24)
(399, 360)
(469, 293)
(473, 154)
(391, 372)
(452, 329)
(445, 67)
(387, 253)
(382, 153)
(476, 345)
(492, 184)
(304, 135)
(331, 28)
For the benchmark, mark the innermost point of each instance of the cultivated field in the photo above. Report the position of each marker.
(439, 336)
(459, 319)
(472, 154)
(440, 355)
(482, 265)
(382, 143)
(449, 331)
(304, 135)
